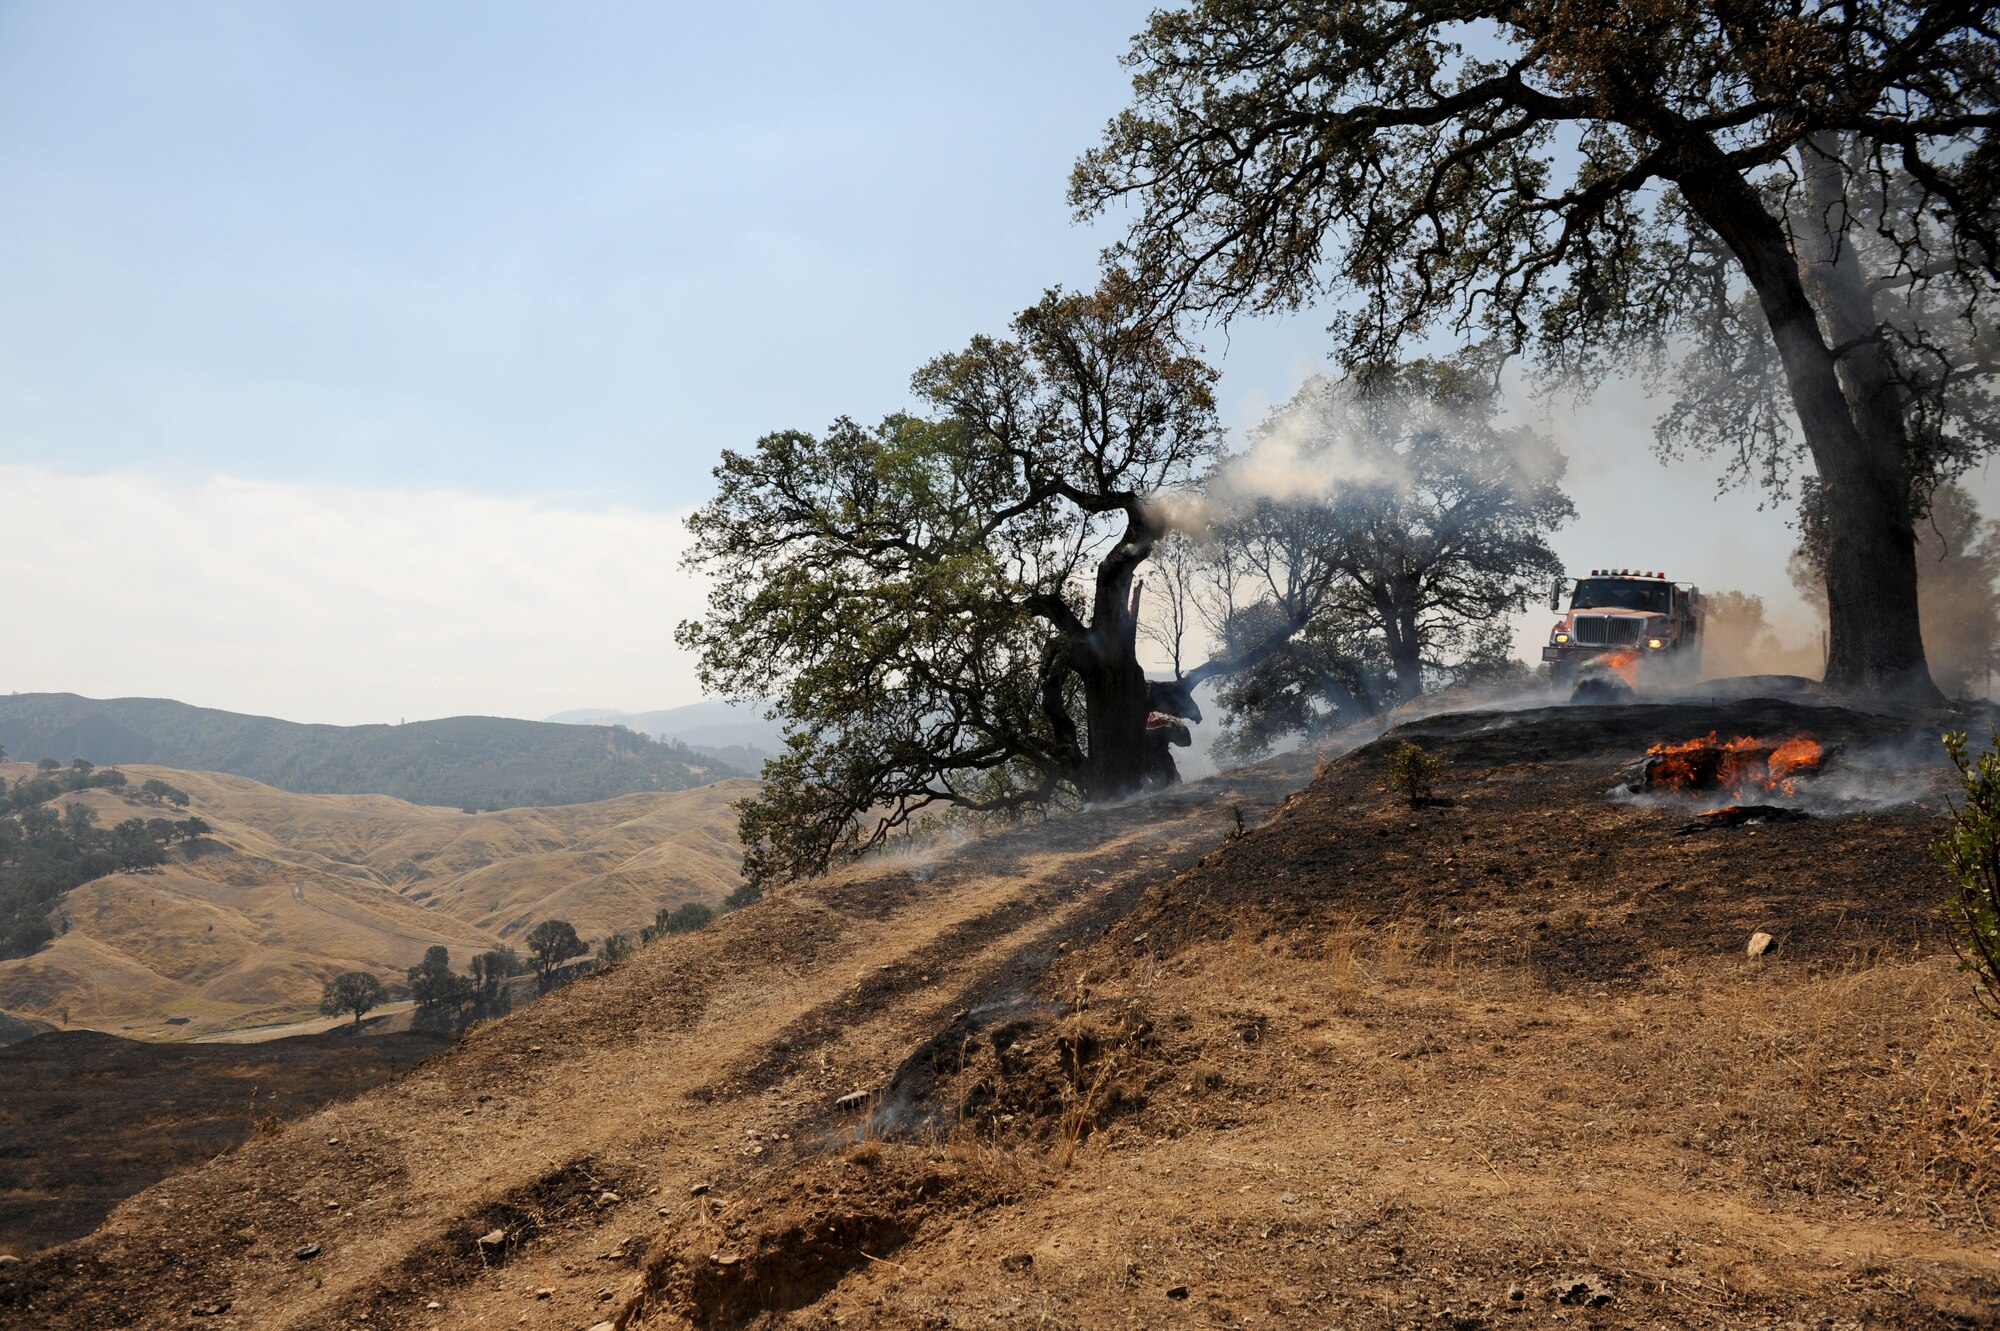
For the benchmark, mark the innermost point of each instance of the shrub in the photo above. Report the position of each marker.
(1970, 854)
(1412, 772)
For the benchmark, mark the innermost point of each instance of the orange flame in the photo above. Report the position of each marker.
(1623, 664)
(1741, 767)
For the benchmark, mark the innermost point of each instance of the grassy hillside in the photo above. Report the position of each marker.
(462, 761)
(1497, 1062)
(244, 924)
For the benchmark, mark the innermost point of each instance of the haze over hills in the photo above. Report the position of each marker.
(736, 733)
(458, 762)
(242, 926)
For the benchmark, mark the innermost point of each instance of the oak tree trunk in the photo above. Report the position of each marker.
(1114, 696)
(1855, 433)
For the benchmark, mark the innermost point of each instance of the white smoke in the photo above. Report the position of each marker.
(1325, 439)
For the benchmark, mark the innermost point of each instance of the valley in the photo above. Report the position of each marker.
(240, 926)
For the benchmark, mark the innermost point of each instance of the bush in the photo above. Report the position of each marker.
(685, 918)
(1970, 854)
(1412, 773)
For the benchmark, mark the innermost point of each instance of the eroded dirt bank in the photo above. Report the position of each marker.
(1502, 1062)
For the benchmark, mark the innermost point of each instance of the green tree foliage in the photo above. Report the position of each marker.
(550, 944)
(743, 894)
(44, 854)
(358, 992)
(614, 948)
(1970, 853)
(685, 918)
(1806, 197)
(1412, 773)
(490, 971)
(160, 792)
(945, 609)
(1333, 675)
(1419, 524)
(436, 990)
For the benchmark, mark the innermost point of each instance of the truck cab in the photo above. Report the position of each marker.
(1636, 620)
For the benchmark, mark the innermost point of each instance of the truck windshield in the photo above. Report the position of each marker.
(1620, 594)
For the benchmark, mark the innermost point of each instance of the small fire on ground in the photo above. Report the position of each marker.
(1739, 768)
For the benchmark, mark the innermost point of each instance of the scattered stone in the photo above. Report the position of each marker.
(851, 1100)
(493, 1238)
(1020, 1261)
(9, 1259)
(1177, 1291)
(307, 1251)
(433, 1306)
(545, 1293)
(1582, 1291)
(216, 1309)
(608, 1198)
(534, 1049)
(1760, 943)
(727, 1259)
(603, 1326)
(698, 1190)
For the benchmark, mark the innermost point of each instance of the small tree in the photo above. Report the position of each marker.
(352, 991)
(489, 969)
(1970, 853)
(685, 918)
(550, 944)
(614, 949)
(434, 987)
(1412, 772)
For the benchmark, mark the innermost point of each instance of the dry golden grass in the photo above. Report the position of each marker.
(290, 888)
(1356, 1068)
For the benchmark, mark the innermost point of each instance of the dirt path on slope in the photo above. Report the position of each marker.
(707, 1058)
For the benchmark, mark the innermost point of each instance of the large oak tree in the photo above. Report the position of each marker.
(1591, 177)
(945, 608)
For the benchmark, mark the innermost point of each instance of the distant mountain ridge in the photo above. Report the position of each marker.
(731, 732)
(458, 762)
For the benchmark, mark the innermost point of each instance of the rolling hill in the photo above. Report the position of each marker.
(736, 733)
(242, 926)
(1238, 1054)
(481, 762)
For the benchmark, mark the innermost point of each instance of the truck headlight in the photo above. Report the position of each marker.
(1655, 643)
(1562, 637)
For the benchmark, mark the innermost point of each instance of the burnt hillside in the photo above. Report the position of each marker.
(1500, 1060)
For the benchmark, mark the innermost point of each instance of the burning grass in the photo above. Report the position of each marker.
(1740, 769)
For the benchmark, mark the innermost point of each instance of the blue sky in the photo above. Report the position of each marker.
(527, 249)
(376, 351)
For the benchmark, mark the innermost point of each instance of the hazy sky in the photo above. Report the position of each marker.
(360, 361)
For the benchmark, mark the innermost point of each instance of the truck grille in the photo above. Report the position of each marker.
(1608, 630)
